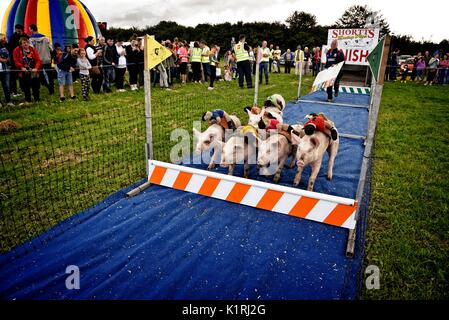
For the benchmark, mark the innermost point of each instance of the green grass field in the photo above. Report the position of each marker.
(408, 226)
(67, 156)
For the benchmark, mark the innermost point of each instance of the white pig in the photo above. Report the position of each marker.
(273, 151)
(239, 150)
(310, 152)
(213, 137)
(254, 119)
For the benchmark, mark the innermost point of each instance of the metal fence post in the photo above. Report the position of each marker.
(376, 95)
(149, 155)
(148, 115)
(256, 84)
(300, 78)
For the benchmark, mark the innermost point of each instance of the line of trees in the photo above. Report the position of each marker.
(300, 28)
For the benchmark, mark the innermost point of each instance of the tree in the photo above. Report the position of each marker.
(362, 17)
(300, 28)
(301, 21)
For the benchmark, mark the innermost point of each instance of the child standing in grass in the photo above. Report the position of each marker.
(227, 73)
(65, 69)
(404, 72)
(213, 66)
(84, 65)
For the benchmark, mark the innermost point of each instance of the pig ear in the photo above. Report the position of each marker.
(295, 139)
(315, 142)
(196, 133)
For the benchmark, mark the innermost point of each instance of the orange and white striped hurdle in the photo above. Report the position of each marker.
(336, 211)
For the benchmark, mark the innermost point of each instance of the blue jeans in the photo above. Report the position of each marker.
(443, 75)
(206, 70)
(393, 72)
(109, 76)
(263, 68)
(4, 78)
(419, 74)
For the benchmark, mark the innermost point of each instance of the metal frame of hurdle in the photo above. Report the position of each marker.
(319, 207)
(336, 211)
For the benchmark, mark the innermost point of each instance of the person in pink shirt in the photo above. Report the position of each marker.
(183, 55)
(443, 70)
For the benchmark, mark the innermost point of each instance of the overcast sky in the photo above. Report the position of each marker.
(423, 19)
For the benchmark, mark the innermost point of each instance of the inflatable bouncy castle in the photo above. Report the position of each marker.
(62, 21)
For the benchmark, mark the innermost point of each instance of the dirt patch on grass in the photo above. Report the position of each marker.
(9, 125)
(72, 157)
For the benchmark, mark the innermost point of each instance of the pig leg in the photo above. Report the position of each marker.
(277, 176)
(293, 161)
(246, 170)
(211, 165)
(231, 169)
(298, 176)
(315, 169)
(217, 150)
(332, 150)
(250, 157)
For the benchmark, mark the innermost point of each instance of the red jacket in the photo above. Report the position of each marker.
(18, 58)
(318, 122)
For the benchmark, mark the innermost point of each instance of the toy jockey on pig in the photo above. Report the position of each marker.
(269, 122)
(219, 117)
(319, 122)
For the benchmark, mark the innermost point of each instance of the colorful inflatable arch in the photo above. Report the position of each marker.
(62, 21)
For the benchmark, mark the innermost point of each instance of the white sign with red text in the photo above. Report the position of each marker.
(355, 43)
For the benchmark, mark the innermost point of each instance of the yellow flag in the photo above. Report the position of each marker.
(155, 53)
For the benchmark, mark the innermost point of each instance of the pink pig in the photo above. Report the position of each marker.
(310, 152)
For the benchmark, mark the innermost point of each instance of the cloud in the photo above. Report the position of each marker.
(135, 15)
(139, 13)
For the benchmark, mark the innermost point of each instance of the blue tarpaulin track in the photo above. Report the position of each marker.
(169, 244)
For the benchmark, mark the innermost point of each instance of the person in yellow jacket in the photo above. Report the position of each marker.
(195, 60)
(241, 51)
(299, 60)
(205, 52)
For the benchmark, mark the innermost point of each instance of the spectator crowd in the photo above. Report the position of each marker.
(427, 68)
(30, 60)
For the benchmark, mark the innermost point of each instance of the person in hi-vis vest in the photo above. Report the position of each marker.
(195, 60)
(241, 50)
(205, 60)
(299, 60)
